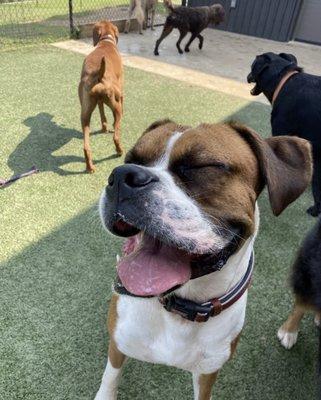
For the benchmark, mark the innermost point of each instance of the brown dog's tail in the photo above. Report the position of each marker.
(169, 5)
(102, 89)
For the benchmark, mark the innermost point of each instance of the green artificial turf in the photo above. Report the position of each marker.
(57, 264)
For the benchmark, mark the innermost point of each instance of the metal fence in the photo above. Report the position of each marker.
(30, 21)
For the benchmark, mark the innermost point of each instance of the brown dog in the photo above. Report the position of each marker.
(141, 9)
(102, 83)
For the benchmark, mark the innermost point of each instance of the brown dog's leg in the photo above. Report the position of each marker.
(193, 36)
(288, 333)
(182, 34)
(87, 108)
(166, 31)
(103, 118)
(117, 112)
(203, 385)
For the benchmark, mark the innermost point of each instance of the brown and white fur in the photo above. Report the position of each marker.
(101, 83)
(141, 9)
(228, 167)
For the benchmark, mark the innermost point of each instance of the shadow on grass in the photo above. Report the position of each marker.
(56, 291)
(38, 148)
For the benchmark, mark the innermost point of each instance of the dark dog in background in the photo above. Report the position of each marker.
(296, 105)
(188, 19)
(306, 285)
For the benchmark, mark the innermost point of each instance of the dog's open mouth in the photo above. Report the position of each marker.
(149, 267)
(255, 91)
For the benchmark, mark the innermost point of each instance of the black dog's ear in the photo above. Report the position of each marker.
(285, 164)
(289, 57)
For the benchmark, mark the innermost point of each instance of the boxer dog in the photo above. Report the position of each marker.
(186, 199)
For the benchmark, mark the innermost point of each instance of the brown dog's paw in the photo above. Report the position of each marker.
(91, 169)
(104, 128)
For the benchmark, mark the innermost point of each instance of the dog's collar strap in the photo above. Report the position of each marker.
(193, 311)
(281, 84)
(108, 38)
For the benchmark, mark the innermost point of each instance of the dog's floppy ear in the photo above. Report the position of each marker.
(285, 164)
(96, 33)
(158, 123)
(289, 57)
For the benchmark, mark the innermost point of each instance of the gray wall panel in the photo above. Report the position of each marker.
(270, 19)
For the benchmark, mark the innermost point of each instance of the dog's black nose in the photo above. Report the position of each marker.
(128, 179)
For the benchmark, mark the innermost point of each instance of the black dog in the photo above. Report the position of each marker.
(296, 100)
(187, 19)
(306, 285)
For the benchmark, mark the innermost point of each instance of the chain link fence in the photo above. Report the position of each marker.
(31, 21)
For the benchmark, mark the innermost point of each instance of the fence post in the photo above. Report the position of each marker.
(71, 19)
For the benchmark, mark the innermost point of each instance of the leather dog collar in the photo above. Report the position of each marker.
(281, 84)
(193, 311)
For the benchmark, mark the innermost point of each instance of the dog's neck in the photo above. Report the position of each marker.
(220, 282)
(282, 82)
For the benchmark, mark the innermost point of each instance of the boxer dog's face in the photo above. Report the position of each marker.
(186, 195)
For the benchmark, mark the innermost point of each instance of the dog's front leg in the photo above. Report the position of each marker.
(203, 384)
(288, 333)
(104, 126)
(193, 36)
(110, 380)
(178, 44)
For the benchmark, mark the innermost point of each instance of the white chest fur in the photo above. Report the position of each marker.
(147, 332)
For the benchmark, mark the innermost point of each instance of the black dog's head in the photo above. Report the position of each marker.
(268, 69)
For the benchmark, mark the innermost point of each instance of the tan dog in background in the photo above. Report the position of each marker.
(102, 83)
(140, 9)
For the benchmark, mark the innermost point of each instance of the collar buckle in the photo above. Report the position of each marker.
(187, 309)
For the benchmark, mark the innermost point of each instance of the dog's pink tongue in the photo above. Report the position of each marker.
(151, 271)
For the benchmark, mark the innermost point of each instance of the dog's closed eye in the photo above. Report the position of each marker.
(184, 171)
